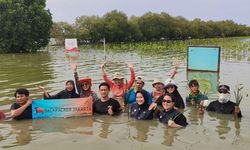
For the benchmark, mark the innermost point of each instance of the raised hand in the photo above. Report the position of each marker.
(130, 65)
(103, 65)
(74, 67)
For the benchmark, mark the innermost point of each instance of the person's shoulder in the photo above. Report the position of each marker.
(14, 106)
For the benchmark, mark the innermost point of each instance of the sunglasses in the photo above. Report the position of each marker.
(85, 84)
(167, 101)
(223, 91)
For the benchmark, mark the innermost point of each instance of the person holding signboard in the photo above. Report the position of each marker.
(68, 92)
(106, 105)
(21, 109)
(117, 85)
(84, 85)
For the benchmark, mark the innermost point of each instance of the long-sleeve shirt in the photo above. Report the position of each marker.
(120, 91)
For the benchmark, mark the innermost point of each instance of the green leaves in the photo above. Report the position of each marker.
(238, 93)
(24, 25)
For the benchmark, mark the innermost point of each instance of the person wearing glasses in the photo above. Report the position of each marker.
(170, 115)
(195, 97)
(68, 92)
(84, 85)
(171, 87)
(223, 105)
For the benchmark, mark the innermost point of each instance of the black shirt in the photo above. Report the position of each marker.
(141, 113)
(63, 94)
(174, 115)
(26, 114)
(223, 108)
(102, 107)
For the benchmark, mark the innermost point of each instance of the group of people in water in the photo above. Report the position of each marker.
(164, 102)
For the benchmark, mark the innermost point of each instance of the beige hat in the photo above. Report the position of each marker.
(118, 75)
(157, 81)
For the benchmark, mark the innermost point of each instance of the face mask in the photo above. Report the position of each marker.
(223, 98)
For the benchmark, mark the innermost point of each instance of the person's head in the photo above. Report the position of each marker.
(223, 93)
(193, 86)
(118, 79)
(104, 89)
(85, 83)
(21, 96)
(158, 85)
(170, 86)
(141, 97)
(139, 82)
(70, 85)
(168, 101)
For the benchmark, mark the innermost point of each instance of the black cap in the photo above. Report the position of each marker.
(223, 88)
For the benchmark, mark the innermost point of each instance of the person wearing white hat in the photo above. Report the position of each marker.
(171, 87)
(117, 85)
(158, 89)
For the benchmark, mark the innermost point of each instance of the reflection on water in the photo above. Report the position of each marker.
(53, 69)
(226, 123)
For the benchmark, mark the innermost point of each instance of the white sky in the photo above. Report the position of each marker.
(236, 10)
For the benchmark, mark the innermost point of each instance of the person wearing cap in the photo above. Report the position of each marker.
(68, 92)
(84, 85)
(171, 87)
(158, 89)
(117, 85)
(140, 109)
(106, 105)
(169, 115)
(21, 109)
(223, 105)
(195, 97)
(130, 96)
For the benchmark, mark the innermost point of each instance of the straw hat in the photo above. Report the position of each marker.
(157, 81)
(118, 75)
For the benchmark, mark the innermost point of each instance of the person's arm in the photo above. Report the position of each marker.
(173, 73)
(178, 121)
(132, 76)
(78, 87)
(104, 75)
(17, 112)
(45, 93)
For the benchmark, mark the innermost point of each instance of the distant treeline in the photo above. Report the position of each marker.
(116, 27)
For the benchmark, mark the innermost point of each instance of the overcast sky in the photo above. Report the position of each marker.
(236, 10)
